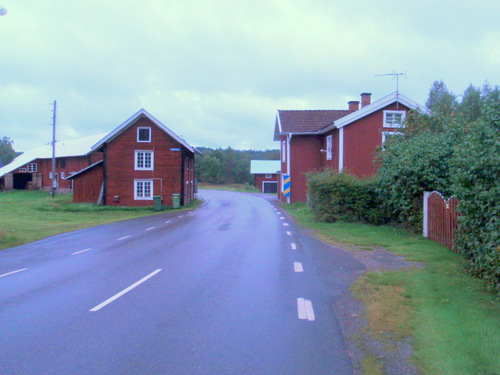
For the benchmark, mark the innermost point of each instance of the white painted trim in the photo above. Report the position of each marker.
(144, 198)
(390, 111)
(269, 182)
(150, 134)
(152, 160)
(329, 147)
(288, 163)
(341, 149)
(426, 213)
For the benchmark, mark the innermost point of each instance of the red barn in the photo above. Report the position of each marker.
(140, 159)
(342, 140)
(265, 174)
(32, 170)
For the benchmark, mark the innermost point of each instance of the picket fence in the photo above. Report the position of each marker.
(440, 218)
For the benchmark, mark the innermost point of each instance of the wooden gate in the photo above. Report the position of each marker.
(440, 218)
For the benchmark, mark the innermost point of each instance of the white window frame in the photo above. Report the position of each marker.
(391, 113)
(63, 175)
(385, 134)
(142, 128)
(269, 175)
(32, 167)
(22, 169)
(140, 190)
(139, 165)
(329, 146)
(283, 151)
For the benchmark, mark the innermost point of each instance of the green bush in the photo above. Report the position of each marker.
(476, 177)
(342, 196)
(417, 161)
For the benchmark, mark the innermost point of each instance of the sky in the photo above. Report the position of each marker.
(215, 72)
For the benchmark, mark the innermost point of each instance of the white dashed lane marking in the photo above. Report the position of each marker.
(81, 251)
(289, 233)
(122, 238)
(297, 267)
(13, 272)
(151, 228)
(305, 309)
(294, 246)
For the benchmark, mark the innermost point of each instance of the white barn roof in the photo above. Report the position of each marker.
(265, 166)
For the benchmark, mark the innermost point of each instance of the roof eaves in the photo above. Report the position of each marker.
(83, 170)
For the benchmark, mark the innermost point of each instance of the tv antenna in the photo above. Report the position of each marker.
(393, 74)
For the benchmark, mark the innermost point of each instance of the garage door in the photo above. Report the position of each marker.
(269, 187)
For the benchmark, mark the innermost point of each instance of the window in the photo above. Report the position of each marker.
(32, 167)
(387, 135)
(283, 151)
(22, 169)
(63, 174)
(269, 176)
(329, 147)
(143, 189)
(143, 134)
(144, 160)
(394, 119)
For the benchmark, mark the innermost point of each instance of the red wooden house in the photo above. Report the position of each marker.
(265, 174)
(140, 159)
(342, 140)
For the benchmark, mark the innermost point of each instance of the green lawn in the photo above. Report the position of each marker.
(26, 216)
(246, 188)
(454, 321)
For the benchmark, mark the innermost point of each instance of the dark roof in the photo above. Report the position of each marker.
(307, 121)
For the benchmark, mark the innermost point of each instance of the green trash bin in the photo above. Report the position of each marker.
(157, 203)
(176, 200)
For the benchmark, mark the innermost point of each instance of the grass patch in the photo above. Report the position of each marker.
(452, 318)
(27, 216)
(245, 188)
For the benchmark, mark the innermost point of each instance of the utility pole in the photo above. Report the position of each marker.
(54, 180)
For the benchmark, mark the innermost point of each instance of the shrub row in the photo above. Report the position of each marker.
(334, 196)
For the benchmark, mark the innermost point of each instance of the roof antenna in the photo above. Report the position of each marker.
(394, 74)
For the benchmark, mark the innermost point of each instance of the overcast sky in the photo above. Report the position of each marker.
(215, 72)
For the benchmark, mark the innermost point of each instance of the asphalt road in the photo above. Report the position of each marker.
(233, 287)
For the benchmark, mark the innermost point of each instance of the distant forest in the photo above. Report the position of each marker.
(229, 166)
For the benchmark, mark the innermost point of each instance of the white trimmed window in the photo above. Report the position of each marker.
(329, 147)
(283, 151)
(22, 169)
(144, 160)
(143, 134)
(394, 119)
(143, 189)
(269, 175)
(32, 167)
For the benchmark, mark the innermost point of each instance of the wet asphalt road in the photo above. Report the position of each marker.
(233, 287)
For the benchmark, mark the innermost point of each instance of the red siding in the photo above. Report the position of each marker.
(361, 139)
(167, 173)
(87, 186)
(305, 156)
(260, 178)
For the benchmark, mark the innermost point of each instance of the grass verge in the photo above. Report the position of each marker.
(453, 320)
(27, 216)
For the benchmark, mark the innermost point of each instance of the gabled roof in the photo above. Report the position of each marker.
(84, 170)
(310, 122)
(264, 166)
(306, 121)
(67, 148)
(373, 107)
(142, 113)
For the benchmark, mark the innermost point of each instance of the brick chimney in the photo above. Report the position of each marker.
(366, 98)
(353, 105)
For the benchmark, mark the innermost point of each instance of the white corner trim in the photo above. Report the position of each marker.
(341, 149)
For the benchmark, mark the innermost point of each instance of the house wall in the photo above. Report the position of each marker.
(260, 178)
(87, 186)
(120, 170)
(305, 156)
(361, 140)
(41, 178)
(334, 162)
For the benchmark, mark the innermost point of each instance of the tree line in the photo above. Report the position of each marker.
(229, 166)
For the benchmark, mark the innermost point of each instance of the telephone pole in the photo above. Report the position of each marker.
(54, 179)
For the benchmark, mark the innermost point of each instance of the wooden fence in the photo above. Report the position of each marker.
(440, 218)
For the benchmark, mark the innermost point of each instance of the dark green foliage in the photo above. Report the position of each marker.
(441, 101)
(476, 177)
(415, 162)
(344, 197)
(229, 166)
(7, 153)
